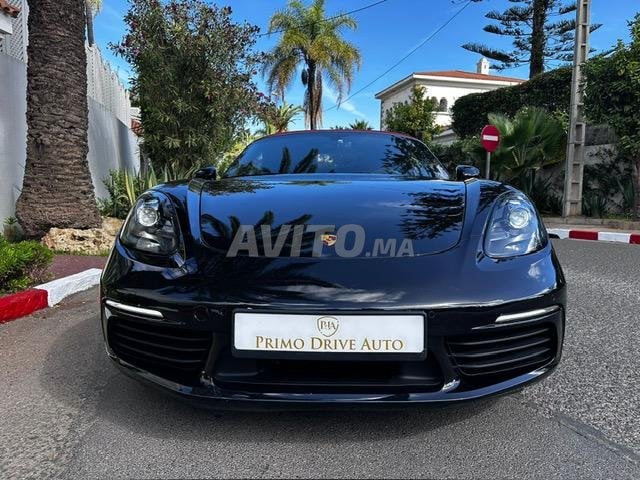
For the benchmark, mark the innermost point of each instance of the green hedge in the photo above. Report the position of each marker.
(550, 91)
(22, 264)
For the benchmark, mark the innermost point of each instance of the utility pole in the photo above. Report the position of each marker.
(574, 167)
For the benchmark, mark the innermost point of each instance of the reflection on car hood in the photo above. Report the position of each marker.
(429, 213)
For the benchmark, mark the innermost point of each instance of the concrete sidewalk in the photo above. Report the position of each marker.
(587, 228)
(594, 229)
(593, 224)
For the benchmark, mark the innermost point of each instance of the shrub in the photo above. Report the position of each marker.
(609, 186)
(550, 91)
(125, 187)
(360, 125)
(12, 230)
(546, 195)
(613, 97)
(461, 152)
(117, 204)
(531, 140)
(240, 143)
(415, 117)
(22, 264)
(595, 204)
(194, 77)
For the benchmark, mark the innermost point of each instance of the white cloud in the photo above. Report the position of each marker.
(348, 106)
(112, 12)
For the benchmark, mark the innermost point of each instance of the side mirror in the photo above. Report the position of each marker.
(206, 173)
(466, 172)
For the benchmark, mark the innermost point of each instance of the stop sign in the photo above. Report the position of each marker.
(490, 138)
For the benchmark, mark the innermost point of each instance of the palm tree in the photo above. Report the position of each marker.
(312, 40)
(57, 189)
(276, 118)
(360, 125)
(92, 8)
(532, 140)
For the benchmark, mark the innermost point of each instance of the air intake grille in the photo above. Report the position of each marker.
(504, 352)
(170, 352)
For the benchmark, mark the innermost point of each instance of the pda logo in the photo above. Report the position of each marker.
(328, 326)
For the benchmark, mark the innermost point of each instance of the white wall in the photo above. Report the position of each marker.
(104, 86)
(5, 23)
(13, 132)
(449, 90)
(112, 144)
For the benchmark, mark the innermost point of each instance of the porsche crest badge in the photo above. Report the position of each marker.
(329, 239)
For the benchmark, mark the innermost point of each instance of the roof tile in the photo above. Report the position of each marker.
(470, 76)
(9, 9)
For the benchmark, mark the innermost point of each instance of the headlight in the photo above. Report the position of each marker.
(513, 228)
(152, 225)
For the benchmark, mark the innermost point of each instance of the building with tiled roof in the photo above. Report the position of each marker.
(8, 14)
(9, 9)
(13, 26)
(445, 87)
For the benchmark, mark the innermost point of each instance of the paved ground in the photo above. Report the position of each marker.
(65, 412)
(63, 265)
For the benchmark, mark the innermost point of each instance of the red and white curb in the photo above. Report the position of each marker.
(594, 235)
(46, 295)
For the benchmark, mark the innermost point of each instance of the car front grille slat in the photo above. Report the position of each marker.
(490, 373)
(182, 338)
(168, 351)
(175, 348)
(508, 349)
(160, 357)
(519, 357)
(506, 338)
(502, 353)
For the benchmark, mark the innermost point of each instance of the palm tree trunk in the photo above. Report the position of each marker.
(311, 88)
(89, 15)
(536, 65)
(318, 98)
(57, 189)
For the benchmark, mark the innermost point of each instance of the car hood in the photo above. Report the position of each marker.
(390, 209)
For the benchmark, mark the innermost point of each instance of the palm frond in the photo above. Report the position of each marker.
(309, 37)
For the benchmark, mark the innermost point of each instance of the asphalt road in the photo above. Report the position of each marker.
(66, 412)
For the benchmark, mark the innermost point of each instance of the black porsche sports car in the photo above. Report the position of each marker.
(331, 268)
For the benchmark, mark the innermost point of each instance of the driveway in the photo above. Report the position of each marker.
(67, 412)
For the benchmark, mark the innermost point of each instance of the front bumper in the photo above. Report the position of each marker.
(215, 398)
(469, 356)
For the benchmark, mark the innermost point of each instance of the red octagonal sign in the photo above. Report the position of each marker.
(490, 138)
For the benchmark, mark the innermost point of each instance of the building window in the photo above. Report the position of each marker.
(443, 105)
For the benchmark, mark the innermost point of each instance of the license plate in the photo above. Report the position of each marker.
(304, 333)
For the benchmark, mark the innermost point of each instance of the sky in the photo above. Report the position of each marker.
(386, 33)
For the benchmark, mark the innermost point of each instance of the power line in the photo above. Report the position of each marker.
(328, 19)
(420, 45)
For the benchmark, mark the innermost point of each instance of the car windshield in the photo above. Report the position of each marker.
(338, 152)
